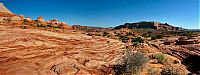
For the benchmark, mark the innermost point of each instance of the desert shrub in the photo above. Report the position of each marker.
(188, 34)
(172, 70)
(123, 38)
(160, 58)
(24, 22)
(145, 35)
(49, 25)
(153, 71)
(56, 27)
(154, 36)
(143, 30)
(133, 64)
(106, 34)
(129, 33)
(138, 39)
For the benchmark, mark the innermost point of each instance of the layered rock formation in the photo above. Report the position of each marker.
(187, 51)
(9, 18)
(39, 52)
(4, 12)
(6, 16)
(151, 25)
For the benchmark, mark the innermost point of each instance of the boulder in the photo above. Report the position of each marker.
(15, 19)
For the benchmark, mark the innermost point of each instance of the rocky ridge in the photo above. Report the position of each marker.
(151, 25)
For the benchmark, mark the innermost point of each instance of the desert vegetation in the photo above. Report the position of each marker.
(161, 58)
(138, 39)
(133, 64)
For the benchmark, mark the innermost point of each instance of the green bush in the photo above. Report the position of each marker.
(106, 34)
(145, 35)
(24, 22)
(160, 58)
(56, 27)
(188, 34)
(49, 25)
(130, 34)
(123, 38)
(154, 36)
(133, 64)
(138, 39)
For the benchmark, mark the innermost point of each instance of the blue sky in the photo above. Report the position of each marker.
(109, 13)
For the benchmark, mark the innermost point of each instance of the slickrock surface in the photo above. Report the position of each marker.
(39, 52)
(179, 51)
(188, 54)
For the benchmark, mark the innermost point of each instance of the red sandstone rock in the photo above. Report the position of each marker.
(39, 52)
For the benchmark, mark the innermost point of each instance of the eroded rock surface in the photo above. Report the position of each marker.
(39, 52)
(189, 54)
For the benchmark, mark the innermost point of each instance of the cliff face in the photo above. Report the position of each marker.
(151, 25)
